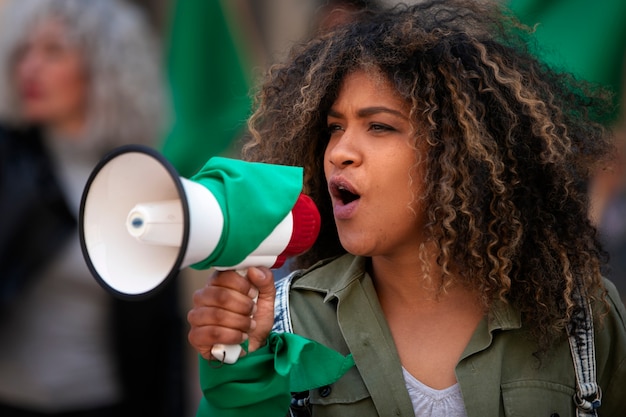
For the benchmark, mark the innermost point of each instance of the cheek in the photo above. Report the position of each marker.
(70, 84)
(404, 187)
(327, 165)
(70, 75)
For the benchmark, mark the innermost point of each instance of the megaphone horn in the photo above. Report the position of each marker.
(135, 221)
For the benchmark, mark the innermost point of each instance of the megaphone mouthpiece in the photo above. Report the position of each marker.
(157, 223)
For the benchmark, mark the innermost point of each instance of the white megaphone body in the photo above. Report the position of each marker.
(140, 223)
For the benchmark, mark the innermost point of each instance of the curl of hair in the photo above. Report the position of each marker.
(122, 57)
(511, 147)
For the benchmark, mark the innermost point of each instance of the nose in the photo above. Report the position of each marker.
(342, 150)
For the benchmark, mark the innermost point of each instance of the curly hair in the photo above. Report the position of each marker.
(121, 54)
(511, 147)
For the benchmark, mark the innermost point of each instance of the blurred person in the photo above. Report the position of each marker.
(608, 191)
(77, 78)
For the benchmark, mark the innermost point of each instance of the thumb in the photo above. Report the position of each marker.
(263, 279)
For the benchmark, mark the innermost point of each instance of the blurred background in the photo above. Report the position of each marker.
(208, 57)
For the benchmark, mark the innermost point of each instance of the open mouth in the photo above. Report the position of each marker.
(344, 193)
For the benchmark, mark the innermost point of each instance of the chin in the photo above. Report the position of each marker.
(356, 247)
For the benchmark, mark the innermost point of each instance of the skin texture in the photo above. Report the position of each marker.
(51, 80)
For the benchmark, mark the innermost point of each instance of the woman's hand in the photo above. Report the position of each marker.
(224, 311)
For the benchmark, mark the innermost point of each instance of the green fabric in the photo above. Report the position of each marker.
(209, 85)
(254, 198)
(260, 383)
(583, 37)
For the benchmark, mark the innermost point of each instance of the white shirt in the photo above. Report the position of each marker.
(429, 402)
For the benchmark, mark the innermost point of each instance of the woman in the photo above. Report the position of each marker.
(77, 79)
(456, 261)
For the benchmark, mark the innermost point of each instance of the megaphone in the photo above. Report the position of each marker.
(140, 223)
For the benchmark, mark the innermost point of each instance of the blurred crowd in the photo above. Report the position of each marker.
(79, 78)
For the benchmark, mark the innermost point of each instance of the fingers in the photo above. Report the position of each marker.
(221, 312)
(225, 288)
(212, 317)
(224, 311)
(204, 338)
(263, 280)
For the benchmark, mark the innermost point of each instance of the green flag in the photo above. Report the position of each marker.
(585, 38)
(209, 85)
(260, 384)
(254, 197)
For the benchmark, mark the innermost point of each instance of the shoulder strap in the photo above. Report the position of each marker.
(282, 316)
(588, 393)
(299, 406)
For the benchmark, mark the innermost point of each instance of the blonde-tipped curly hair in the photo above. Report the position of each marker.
(511, 146)
(121, 54)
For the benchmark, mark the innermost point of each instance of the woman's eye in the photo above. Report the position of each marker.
(377, 127)
(332, 128)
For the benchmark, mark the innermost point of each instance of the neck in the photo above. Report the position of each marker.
(416, 270)
(414, 280)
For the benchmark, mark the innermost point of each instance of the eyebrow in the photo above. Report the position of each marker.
(369, 111)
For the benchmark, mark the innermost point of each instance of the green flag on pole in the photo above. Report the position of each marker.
(209, 85)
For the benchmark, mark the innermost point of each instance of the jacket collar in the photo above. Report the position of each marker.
(319, 277)
(502, 316)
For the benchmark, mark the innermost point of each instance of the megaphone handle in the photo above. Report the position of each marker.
(229, 353)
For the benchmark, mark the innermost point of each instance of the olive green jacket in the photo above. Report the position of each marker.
(335, 303)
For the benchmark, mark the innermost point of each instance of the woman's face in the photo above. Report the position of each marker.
(51, 80)
(369, 163)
